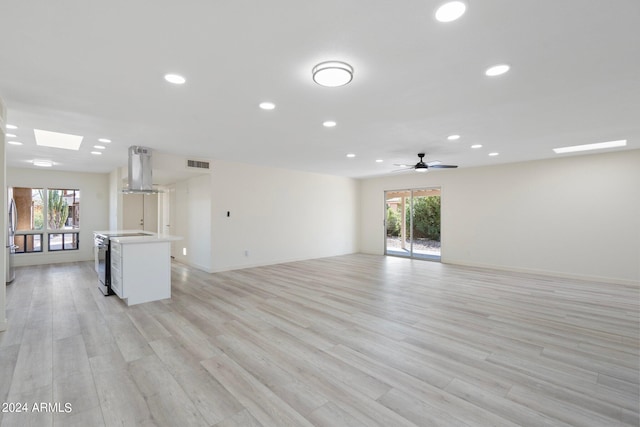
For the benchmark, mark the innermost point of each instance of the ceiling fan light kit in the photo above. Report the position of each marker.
(332, 73)
(422, 167)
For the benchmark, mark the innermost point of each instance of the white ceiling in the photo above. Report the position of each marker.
(96, 69)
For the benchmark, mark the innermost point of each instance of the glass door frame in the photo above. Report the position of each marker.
(411, 192)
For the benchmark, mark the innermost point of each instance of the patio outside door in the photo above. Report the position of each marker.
(412, 223)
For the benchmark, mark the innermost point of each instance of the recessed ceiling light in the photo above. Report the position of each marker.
(45, 138)
(494, 154)
(99, 147)
(176, 79)
(450, 11)
(587, 147)
(96, 153)
(14, 142)
(43, 163)
(12, 127)
(379, 161)
(267, 105)
(10, 135)
(104, 140)
(329, 124)
(351, 155)
(497, 70)
(453, 137)
(476, 146)
(332, 73)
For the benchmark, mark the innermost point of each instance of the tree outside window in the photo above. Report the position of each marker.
(63, 209)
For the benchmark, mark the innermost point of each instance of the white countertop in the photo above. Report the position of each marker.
(149, 238)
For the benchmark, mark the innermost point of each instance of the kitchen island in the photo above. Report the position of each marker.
(139, 265)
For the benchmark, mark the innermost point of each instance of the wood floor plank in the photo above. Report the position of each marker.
(213, 401)
(263, 404)
(241, 419)
(350, 340)
(506, 408)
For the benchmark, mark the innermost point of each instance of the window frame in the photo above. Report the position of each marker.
(46, 232)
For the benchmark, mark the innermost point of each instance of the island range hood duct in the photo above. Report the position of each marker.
(140, 172)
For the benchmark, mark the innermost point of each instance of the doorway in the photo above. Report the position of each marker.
(412, 223)
(140, 212)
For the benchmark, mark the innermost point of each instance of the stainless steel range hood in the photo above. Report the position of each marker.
(140, 171)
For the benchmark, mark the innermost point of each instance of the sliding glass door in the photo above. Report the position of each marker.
(398, 223)
(412, 223)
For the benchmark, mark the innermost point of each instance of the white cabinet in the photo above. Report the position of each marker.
(141, 272)
(116, 268)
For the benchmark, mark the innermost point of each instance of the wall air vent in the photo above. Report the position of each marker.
(197, 164)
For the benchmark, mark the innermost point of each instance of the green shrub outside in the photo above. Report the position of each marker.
(426, 218)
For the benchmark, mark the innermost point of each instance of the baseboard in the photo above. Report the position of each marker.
(281, 261)
(613, 280)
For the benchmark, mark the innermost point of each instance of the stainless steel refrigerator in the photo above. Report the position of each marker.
(11, 231)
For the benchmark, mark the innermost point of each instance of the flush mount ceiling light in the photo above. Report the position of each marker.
(45, 138)
(96, 153)
(494, 154)
(329, 124)
(351, 155)
(14, 142)
(43, 163)
(497, 70)
(332, 73)
(379, 161)
(453, 137)
(588, 147)
(104, 140)
(267, 105)
(10, 135)
(12, 127)
(476, 146)
(450, 11)
(99, 147)
(176, 79)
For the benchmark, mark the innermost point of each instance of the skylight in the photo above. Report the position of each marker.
(587, 147)
(45, 138)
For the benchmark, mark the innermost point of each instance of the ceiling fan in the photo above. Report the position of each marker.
(421, 166)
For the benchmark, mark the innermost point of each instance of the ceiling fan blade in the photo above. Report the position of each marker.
(403, 170)
(402, 165)
(443, 166)
(433, 163)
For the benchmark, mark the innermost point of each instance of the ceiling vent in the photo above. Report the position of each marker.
(198, 164)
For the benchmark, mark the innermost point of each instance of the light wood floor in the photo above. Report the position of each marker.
(347, 341)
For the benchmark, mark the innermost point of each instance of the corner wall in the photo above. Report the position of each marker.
(573, 216)
(3, 223)
(278, 215)
(192, 221)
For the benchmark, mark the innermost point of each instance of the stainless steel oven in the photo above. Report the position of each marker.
(103, 264)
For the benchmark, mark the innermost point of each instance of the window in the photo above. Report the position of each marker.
(63, 209)
(46, 215)
(63, 241)
(27, 243)
(30, 208)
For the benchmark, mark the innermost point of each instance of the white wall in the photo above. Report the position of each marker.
(192, 221)
(573, 216)
(115, 200)
(3, 223)
(279, 215)
(94, 208)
